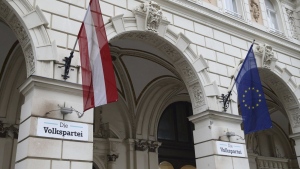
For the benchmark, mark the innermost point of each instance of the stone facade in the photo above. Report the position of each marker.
(164, 51)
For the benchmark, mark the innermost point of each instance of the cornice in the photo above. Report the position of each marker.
(43, 82)
(220, 21)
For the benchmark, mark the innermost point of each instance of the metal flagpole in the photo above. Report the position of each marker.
(225, 98)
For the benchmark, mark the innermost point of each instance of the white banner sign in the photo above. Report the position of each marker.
(62, 129)
(230, 149)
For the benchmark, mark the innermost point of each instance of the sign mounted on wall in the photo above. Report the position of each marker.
(62, 129)
(230, 149)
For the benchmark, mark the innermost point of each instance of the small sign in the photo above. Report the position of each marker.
(62, 129)
(230, 149)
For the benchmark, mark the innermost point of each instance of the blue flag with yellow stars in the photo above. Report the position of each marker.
(251, 96)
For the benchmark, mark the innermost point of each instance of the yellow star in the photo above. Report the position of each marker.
(252, 107)
(257, 91)
(257, 105)
(252, 88)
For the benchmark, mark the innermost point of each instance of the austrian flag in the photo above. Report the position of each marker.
(98, 78)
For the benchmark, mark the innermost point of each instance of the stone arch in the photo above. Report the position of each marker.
(28, 24)
(177, 47)
(280, 81)
(192, 68)
(98, 161)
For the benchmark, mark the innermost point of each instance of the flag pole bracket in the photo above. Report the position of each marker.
(225, 99)
(67, 66)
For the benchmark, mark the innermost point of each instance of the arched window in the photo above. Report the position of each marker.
(271, 14)
(175, 134)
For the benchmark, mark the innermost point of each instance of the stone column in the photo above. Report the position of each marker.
(213, 126)
(141, 155)
(153, 155)
(112, 161)
(130, 153)
(113, 152)
(43, 97)
(296, 137)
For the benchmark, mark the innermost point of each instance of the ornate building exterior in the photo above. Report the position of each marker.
(173, 61)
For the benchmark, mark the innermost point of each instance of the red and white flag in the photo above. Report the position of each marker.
(98, 78)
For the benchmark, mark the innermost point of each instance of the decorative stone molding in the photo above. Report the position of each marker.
(197, 95)
(291, 20)
(141, 145)
(118, 23)
(152, 146)
(169, 50)
(35, 18)
(295, 118)
(188, 73)
(268, 59)
(112, 157)
(18, 28)
(8, 130)
(153, 15)
(255, 10)
(167, 43)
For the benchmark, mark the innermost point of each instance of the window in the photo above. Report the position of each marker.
(271, 13)
(231, 7)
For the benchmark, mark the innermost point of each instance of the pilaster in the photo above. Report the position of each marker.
(296, 137)
(43, 100)
(213, 129)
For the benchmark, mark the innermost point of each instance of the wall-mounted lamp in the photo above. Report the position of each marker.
(66, 110)
(230, 134)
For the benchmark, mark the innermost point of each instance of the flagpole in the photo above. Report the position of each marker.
(225, 98)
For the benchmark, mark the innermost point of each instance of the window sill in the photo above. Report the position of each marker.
(277, 33)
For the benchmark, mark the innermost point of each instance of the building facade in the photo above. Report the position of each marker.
(173, 61)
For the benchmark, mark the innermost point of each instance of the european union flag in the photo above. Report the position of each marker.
(251, 96)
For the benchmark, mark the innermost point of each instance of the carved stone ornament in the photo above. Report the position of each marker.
(18, 28)
(153, 15)
(267, 54)
(112, 157)
(291, 20)
(152, 146)
(254, 10)
(296, 118)
(171, 52)
(141, 145)
(198, 95)
(187, 71)
(146, 37)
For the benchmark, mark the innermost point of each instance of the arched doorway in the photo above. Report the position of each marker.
(12, 75)
(175, 133)
(273, 148)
